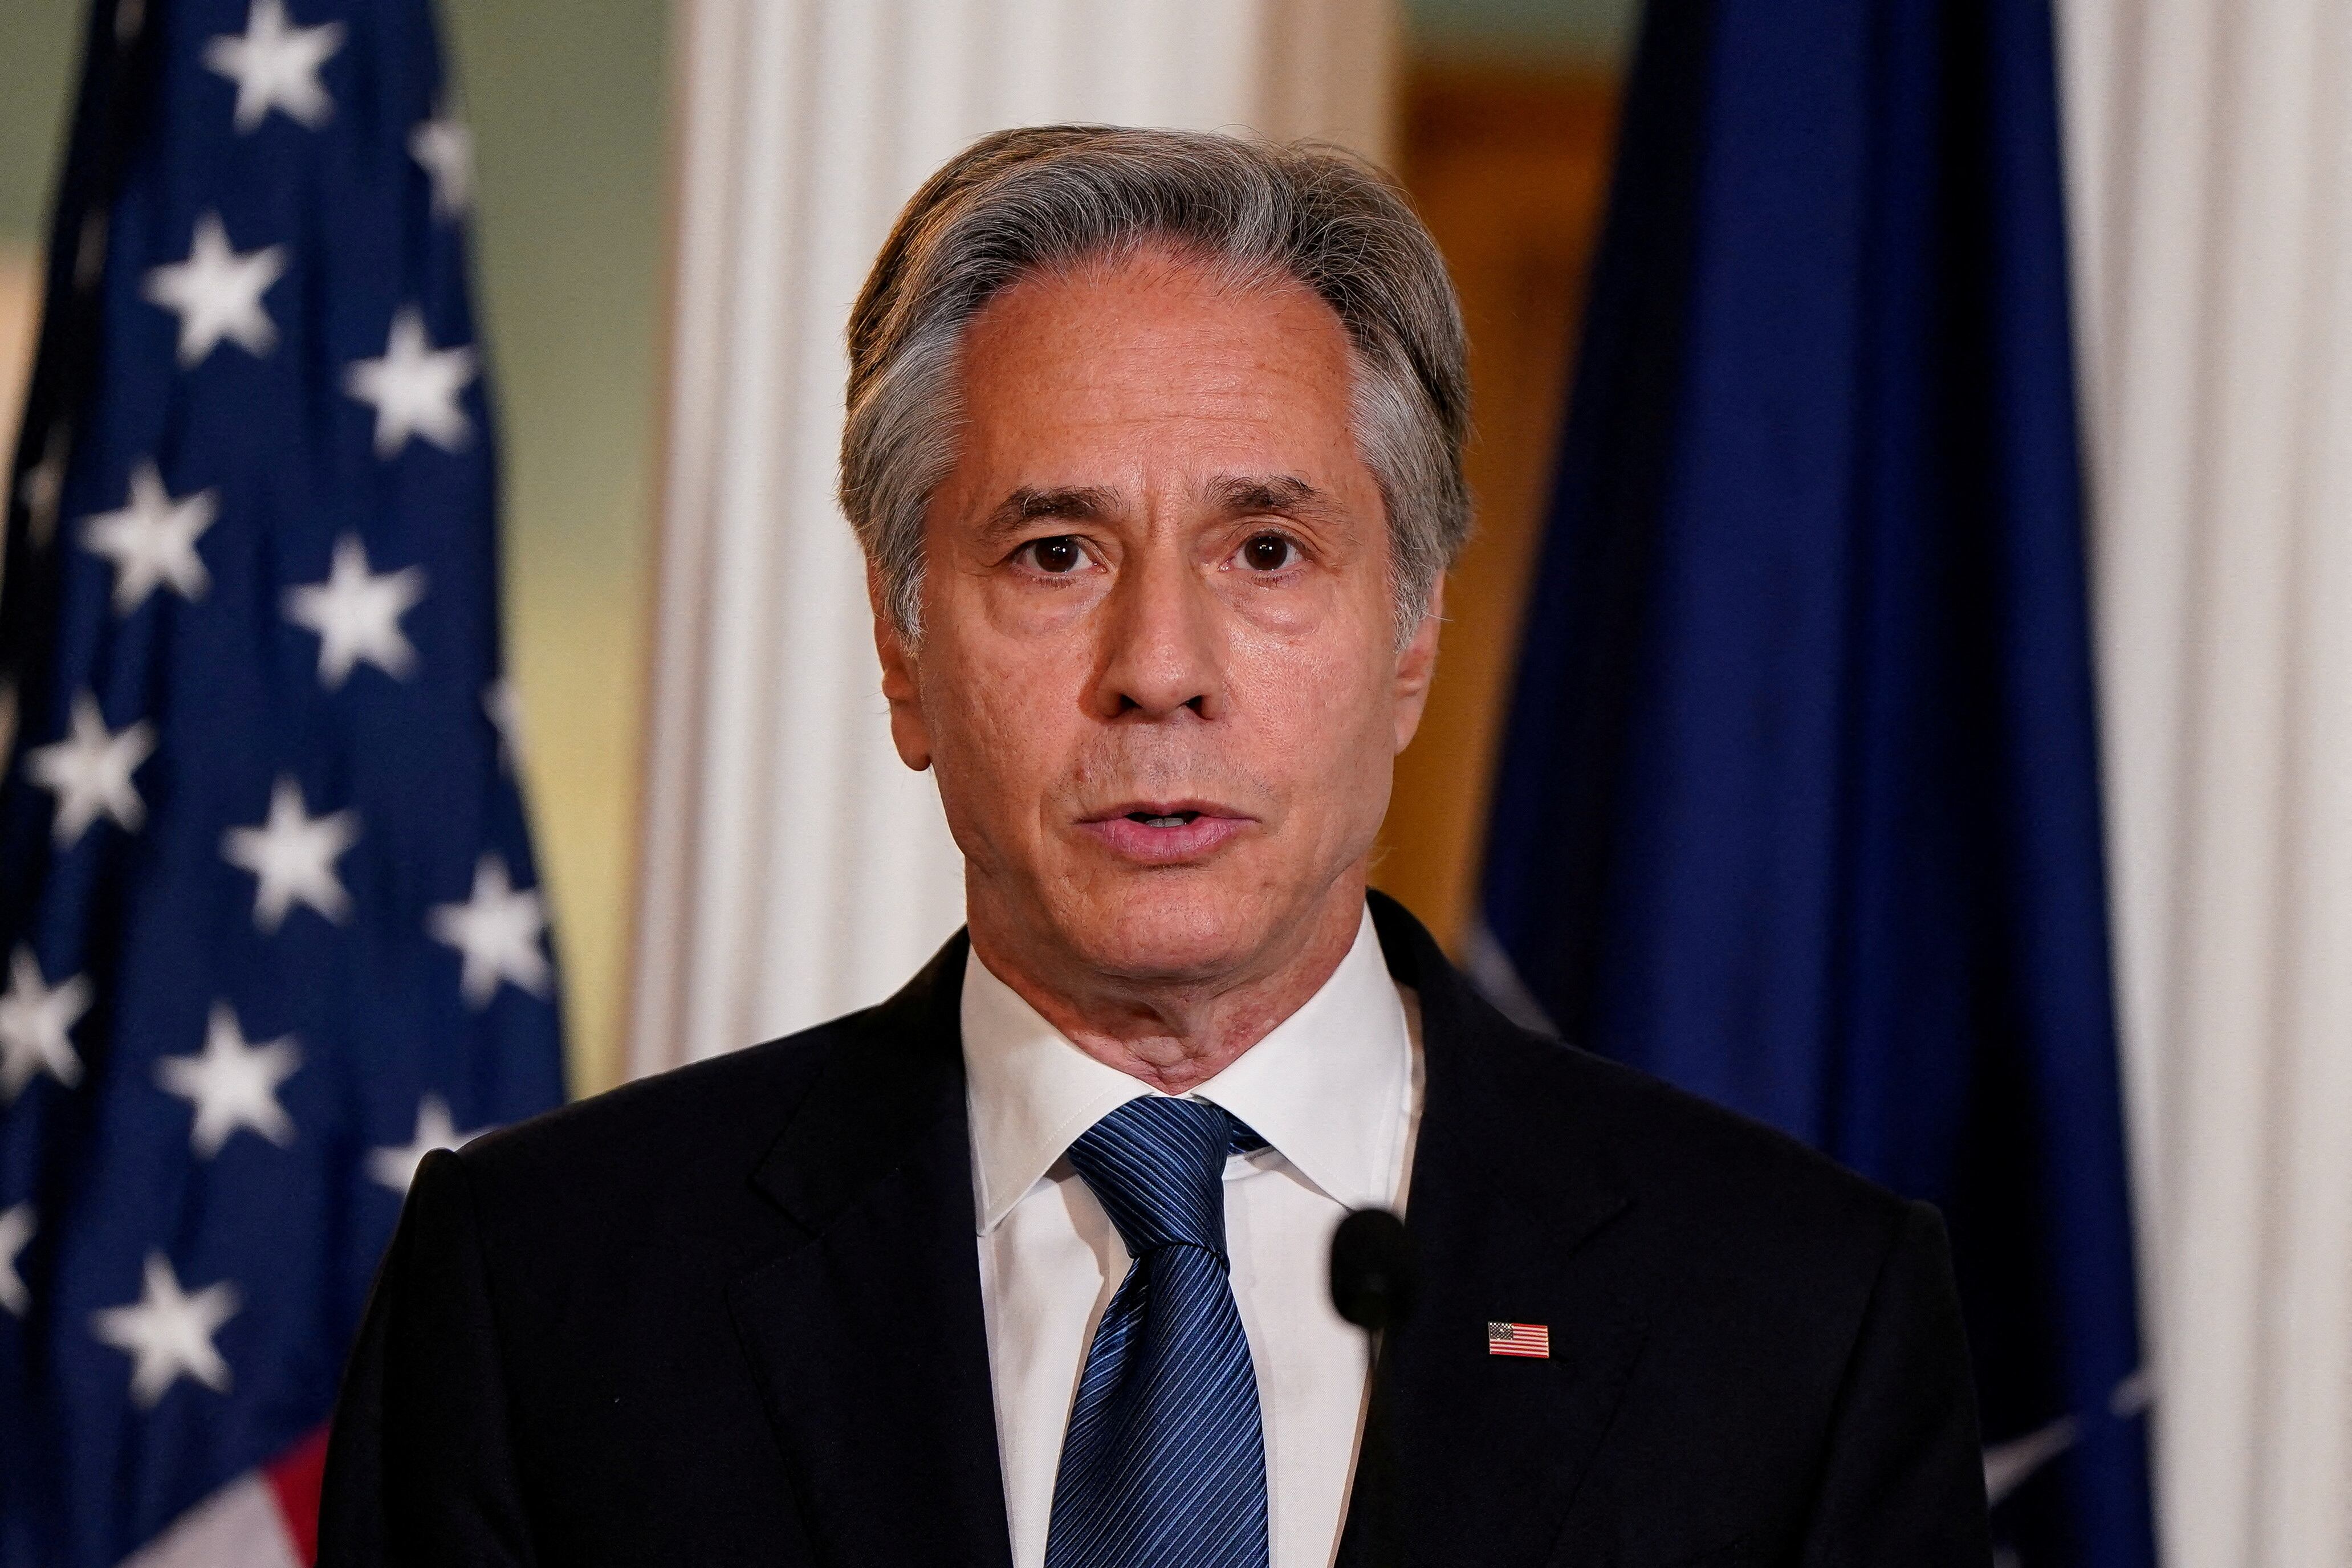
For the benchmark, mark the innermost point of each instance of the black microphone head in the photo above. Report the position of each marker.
(1371, 1271)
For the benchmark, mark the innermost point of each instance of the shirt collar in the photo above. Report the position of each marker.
(1328, 1087)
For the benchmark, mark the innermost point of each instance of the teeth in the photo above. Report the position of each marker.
(1163, 821)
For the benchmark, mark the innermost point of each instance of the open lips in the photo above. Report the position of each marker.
(1166, 833)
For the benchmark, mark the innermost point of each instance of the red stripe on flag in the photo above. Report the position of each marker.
(295, 1478)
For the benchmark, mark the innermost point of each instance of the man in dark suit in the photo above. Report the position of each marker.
(1154, 449)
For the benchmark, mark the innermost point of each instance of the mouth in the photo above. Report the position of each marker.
(1165, 833)
(1163, 819)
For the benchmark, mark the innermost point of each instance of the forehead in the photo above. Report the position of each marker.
(1156, 348)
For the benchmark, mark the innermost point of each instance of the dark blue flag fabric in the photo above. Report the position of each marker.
(268, 924)
(1799, 805)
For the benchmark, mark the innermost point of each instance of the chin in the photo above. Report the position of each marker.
(1168, 926)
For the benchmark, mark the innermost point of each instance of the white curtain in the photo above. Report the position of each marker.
(792, 869)
(2210, 148)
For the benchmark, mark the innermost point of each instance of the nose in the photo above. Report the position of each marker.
(1162, 649)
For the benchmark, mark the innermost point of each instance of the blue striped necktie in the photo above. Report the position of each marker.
(1164, 1464)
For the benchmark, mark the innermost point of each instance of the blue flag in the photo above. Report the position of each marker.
(269, 923)
(1798, 804)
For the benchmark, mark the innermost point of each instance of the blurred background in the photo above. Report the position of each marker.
(673, 204)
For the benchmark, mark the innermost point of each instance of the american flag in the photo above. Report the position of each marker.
(269, 923)
(1519, 1339)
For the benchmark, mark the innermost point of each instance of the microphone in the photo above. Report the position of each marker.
(1371, 1271)
(1372, 1287)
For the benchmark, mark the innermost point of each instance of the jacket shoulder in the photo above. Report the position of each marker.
(1704, 1180)
(703, 1124)
(1740, 1196)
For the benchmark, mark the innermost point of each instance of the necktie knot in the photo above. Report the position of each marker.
(1157, 1165)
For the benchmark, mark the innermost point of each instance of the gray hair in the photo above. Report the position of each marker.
(1052, 198)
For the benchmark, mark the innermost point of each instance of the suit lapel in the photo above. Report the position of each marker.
(1511, 1189)
(866, 1329)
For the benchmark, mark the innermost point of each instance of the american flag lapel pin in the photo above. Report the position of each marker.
(1519, 1339)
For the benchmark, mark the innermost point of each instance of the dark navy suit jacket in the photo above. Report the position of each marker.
(731, 1315)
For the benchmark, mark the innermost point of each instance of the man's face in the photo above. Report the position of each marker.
(1157, 677)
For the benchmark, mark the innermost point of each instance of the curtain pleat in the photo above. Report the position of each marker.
(2211, 173)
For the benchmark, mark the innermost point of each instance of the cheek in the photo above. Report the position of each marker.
(999, 716)
(1326, 719)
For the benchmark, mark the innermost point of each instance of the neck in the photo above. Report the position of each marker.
(1176, 1034)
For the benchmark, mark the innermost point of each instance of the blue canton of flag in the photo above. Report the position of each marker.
(268, 924)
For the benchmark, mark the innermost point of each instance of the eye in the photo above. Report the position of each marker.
(1267, 553)
(1055, 557)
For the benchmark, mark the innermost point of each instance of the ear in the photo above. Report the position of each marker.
(1416, 666)
(902, 685)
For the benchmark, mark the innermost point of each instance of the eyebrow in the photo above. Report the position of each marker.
(1285, 495)
(1230, 494)
(1069, 502)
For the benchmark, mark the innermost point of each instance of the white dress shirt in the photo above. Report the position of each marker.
(1334, 1089)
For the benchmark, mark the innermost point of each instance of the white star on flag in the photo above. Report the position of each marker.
(276, 66)
(16, 1227)
(217, 293)
(497, 929)
(43, 487)
(292, 854)
(413, 387)
(356, 614)
(504, 706)
(395, 1165)
(90, 771)
(233, 1083)
(35, 1022)
(153, 540)
(446, 148)
(168, 1333)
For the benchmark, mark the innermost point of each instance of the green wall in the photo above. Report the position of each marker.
(43, 43)
(568, 105)
(1597, 30)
